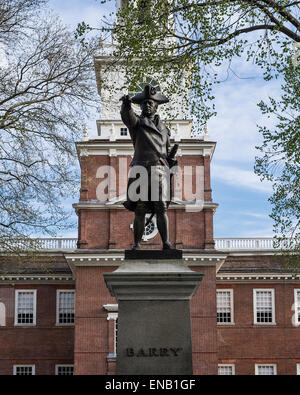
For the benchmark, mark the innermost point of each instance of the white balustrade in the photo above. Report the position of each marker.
(236, 244)
(226, 244)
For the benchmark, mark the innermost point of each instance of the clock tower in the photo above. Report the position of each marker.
(105, 227)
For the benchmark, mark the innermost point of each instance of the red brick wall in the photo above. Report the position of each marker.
(44, 344)
(91, 331)
(203, 322)
(245, 343)
(110, 229)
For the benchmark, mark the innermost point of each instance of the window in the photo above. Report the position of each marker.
(65, 307)
(2, 314)
(64, 370)
(25, 307)
(297, 306)
(265, 370)
(298, 369)
(225, 306)
(226, 369)
(264, 306)
(123, 132)
(112, 318)
(115, 335)
(24, 370)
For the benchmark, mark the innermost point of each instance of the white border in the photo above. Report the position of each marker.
(273, 306)
(17, 291)
(274, 365)
(231, 306)
(298, 369)
(58, 291)
(21, 366)
(232, 365)
(63, 366)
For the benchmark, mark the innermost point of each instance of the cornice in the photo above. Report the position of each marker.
(254, 277)
(36, 279)
(117, 205)
(87, 258)
(251, 253)
(124, 147)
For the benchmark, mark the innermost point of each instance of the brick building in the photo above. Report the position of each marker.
(245, 316)
(56, 313)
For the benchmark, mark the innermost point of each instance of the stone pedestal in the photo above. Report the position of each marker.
(154, 332)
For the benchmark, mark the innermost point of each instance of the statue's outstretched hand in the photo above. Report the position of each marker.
(126, 100)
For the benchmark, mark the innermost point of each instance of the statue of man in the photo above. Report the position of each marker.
(151, 141)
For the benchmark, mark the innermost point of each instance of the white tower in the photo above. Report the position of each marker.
(111, 86)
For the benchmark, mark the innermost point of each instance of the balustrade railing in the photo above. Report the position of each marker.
(232, 244)
(226, 244)
(58, 243)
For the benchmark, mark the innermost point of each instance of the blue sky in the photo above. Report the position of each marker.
(243, 200)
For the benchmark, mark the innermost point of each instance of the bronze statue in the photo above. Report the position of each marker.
(151, 141)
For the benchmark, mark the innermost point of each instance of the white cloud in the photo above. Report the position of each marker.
(240, 178)
(235, 126)
(258, 232)
(75, 11)
(249, 214)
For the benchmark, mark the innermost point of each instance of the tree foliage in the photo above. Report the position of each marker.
(280, 160)
(46, 90)
(192, 44)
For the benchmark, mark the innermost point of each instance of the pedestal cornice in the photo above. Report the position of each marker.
(116, 258)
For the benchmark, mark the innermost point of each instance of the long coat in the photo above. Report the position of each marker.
(151, 142)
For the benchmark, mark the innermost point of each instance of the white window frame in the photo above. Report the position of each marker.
(298, 369)
(255, 290)
(63, 366)
(58, 291)
(257, 365)
(2, 314)
(114, 317)
(230, 290)
(23, 366)
(112, 314)
(297, 306)
(232, 365)
(17, 291)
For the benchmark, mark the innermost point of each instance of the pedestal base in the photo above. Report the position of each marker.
(154, 333)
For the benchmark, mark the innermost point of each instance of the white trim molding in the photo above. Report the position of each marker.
(254, 277)
(36, 279)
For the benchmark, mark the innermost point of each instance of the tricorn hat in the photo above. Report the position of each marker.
(149, 92)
